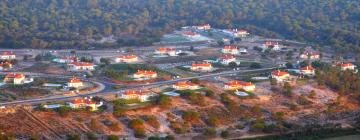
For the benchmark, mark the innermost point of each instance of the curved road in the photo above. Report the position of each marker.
(103, 83)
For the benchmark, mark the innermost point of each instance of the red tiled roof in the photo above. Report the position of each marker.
(239, 83)
(165, 49)
(279, 73)
(226, 57)
(69, 58)
(271, 43)
(75, 80)
(201, 65)
(5, 63)
(83, 101)
(189, 33)
(307, 68)
(145, 72)
(133, 92)
(346, 65)
(185, 83)
(15, 75)
(230, 48)
(81, 64)
(128, 57)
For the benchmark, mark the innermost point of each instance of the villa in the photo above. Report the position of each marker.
(75, 83)
(347, 66)
(235, 85)
(267, 44)
(201, 67)
(230, 50)
(236, 33)
(66, 59)
(135, 94)
(5, 65)
(280, 75)
(308, 70)
(145, 74)
(186, 86)
(166, 51)
(7, 55)
(203, 27)
(15, 78)
(226, 59)
(80, 66)
(83, 103)
(310, 55)
(127, 59)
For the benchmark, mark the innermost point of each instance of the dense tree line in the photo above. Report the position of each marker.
(69, 23)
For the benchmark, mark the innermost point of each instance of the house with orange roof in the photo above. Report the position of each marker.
(186, 85)
(15, 78)
(75, 83)
(147, 74)
(81, 66)
(235, 85)
(83, 103)
(226, 59)
(66, 59)
(236, 33)
(166, 51)
(127, 59)
(140, 95)
(230, 50)
(274, 44)
(203, 27)
(5, 65)
(308, 70)
(7, 55)
(280, 75)
(201, 67)
(310, 55)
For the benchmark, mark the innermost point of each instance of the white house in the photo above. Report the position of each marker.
(148, 74)
(135, 94)
(166, 51)
(236, 33)
(310, 55)
(83, 103)
(5, 65)
(75, 83)
(235, 85)
(230, 50)
(127, 59)
(308, 70)
(267, 44)
(7, 55)
(226, 59)
(203, 27)
(201, 67)
(186, 85)
(81, 66)
(15, 78)
(280, 76)
(347, 66)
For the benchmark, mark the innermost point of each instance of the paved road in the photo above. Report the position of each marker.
(64, 98)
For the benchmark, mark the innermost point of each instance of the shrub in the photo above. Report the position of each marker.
(210, 132)
(112, 137)
(152, 121)
(213, 121)
(164, 101)
(225, 134)
(191, 116)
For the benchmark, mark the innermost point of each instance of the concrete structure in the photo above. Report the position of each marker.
(135, 94)
(166, 51)
(66, 59)
(308, 71)
(126, 59)
(201, 67)
(185, 85)
(75, 83)
(235, 85)
(7, 55)
(148, 74)
(15, 78)
(230, 50)
(81, 66)
(280, 76)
